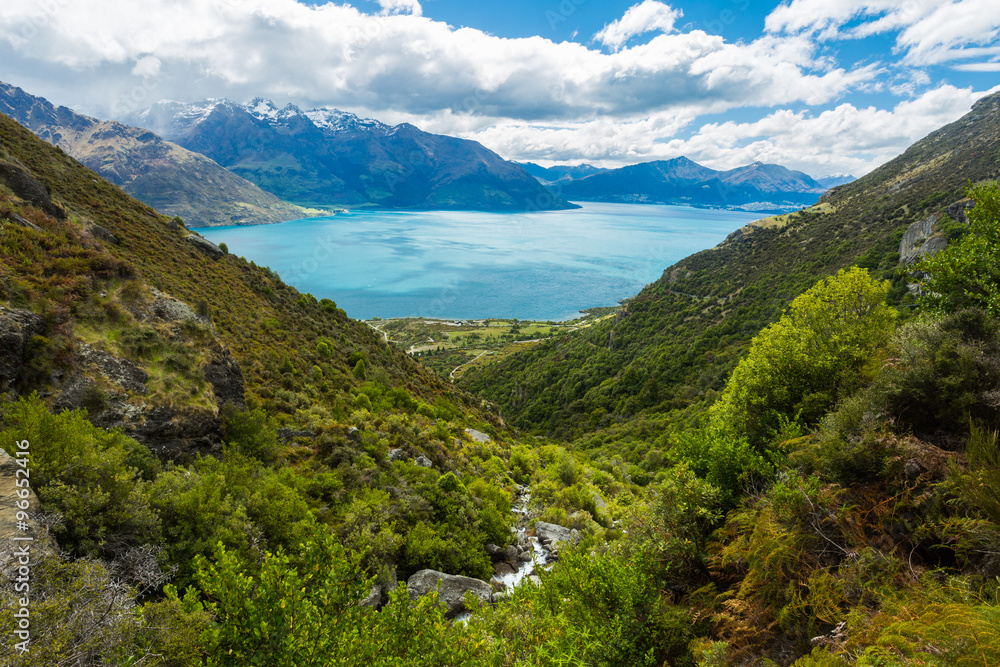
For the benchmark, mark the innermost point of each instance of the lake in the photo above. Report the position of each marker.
(471, 265)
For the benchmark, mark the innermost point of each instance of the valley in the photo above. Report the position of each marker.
(391, 436)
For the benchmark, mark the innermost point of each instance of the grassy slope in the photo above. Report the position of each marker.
(261, 319)
(674, 344)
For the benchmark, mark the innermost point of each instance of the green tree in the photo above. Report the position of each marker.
(798, 367)
(966, 274)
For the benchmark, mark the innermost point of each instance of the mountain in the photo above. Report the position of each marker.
(561, 172)
(171, 179)
(834, 181)
(681, 181)
(673, 344)
(326, 157)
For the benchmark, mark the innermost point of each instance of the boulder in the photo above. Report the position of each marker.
(511, 552)
(101, 233)
(396, 454)
(423, 462)
(496, 553)
(25, 186)
(524, 557)
(451, 589)
(17, 328)
(478, 436)
(551, 534)
(503, 568)
(205, 246)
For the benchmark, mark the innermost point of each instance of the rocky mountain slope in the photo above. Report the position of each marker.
(675, 342)
(171, 179)
(326, 157)
(756, 186)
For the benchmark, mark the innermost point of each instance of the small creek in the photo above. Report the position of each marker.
(526, 544)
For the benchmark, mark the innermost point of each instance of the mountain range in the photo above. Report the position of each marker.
(757, 186)
(171, 179)
(326, 157)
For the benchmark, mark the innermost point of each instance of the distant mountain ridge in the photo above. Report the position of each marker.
(171, 179)
(324, 157)
(756, 186)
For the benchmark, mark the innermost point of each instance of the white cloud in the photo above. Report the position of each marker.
(639, 19)
(930, 32)
(845, 139)
(404, 63)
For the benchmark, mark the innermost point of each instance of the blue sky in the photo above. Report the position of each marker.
(826, 86)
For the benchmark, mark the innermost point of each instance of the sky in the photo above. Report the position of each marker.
(825, 86)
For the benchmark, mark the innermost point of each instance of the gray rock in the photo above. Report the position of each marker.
(915, 236)
(205, 246)
(224, 374)
(550, 534)
(503, 568)
(17, 328)
(451, 589)
(354, 434)
(166, 307)
(373, 599)
(478, 436)
(511, 552)
(524, 557)
(25, 186)
(423, 462)
(118, 371)
(397, 454)
(101, 233)
(496, 553)
(21, 222)
(959, 210)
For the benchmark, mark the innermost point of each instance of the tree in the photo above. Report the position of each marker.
(966, 274)
(798, 367)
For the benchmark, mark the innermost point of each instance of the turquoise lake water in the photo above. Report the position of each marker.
(466, 265)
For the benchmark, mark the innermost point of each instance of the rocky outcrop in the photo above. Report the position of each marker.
(451, 589)
(913, 240)
(10, 525)
(17, 328)
(224, 374)
(27, 188)
(205, 246)
(178, 434)
(423, 462)
(103, 234)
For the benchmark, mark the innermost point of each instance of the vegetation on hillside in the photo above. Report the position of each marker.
(836, 505)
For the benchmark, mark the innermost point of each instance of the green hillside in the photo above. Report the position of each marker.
(674, 344)
(217, 470)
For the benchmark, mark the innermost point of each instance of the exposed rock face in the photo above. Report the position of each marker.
(224, 374)
(451, 589)
(9, 508)
(166, 307)
(120, 372)
(915, 236)
(205, 246)
(101, 233)
(423, 462)
(178, 434)
(17, 328)
(27, 188)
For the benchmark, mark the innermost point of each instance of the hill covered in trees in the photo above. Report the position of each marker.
(235, 473)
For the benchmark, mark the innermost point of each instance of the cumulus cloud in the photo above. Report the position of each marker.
(845, 139)
(402, 62)
(930, 32)
(649, 16)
